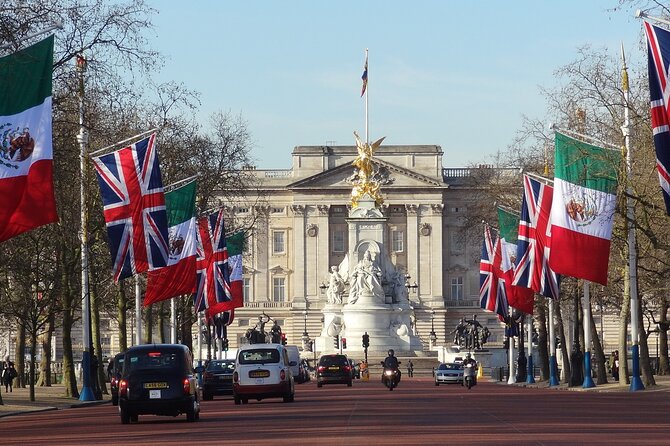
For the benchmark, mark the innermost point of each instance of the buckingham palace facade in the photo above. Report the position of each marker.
(299, 232)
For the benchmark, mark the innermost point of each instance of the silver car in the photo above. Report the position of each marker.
(449, 372)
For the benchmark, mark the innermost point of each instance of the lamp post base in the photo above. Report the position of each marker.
(635, 381)
(530, 379)
(588, 380)
(553, 372)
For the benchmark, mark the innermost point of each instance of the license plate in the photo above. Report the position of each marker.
(154, 394)
(259, 374)
(155, 385)
(333, 368)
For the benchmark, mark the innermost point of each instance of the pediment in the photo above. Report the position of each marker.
(338, 177)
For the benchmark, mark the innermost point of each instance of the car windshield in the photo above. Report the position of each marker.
(152, 360)
(333, 360)
(449, 367)
(259, 356)
(221, 366)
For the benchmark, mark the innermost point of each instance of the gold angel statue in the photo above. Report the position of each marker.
(363, 162)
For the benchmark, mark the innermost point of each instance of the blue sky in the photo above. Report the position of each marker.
(456, 74)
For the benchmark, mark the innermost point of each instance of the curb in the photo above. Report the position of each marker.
(49, 408)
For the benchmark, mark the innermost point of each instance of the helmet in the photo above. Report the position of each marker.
(391, 352)
(468, 356)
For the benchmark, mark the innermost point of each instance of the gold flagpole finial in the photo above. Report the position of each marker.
(624, 69)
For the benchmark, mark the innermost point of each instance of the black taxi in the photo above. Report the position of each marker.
(158, 379)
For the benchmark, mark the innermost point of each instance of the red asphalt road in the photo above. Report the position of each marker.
(416, 413)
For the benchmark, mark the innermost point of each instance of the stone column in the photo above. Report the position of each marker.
(298, 256)
(412, 245)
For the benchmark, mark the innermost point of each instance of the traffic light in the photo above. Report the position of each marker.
(366, 340)
(336, 342)
(225, 345)
(283, 339)
(344, 342)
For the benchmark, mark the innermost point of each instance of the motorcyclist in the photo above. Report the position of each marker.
(391, 362)
(470, 360)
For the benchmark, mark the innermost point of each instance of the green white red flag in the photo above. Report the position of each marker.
(178, 276)
(582, 210)
(26, 153)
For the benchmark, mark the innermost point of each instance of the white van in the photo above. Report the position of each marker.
(262, 371)
(294, 357)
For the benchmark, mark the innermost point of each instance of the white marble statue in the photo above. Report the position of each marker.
(366, 279)
(335, 286)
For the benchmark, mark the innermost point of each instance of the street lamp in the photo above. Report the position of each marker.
(413, 287)
(433, 336)
(306, 346)
(304, 316)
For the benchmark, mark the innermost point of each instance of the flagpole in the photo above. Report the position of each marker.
(87, 393)
(511, 379)
(576, 135)
(138, 311)
(643, 15)
(139, 135)
(553, 378)
(540, 178)
(530, 379)
(57, 25)
(173, 321)
(588, 380)
(636, 382)
(367, 90)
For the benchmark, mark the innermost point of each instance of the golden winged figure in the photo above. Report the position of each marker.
(363, 162)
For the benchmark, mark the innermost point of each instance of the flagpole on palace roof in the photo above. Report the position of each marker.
(636, 382)
(367, 76)
(87, 393)
(643, 15)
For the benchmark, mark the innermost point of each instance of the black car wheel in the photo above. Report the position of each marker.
(319, 384)
(134, 418)
(349, 384)
(237, 400)
(115, 400)
(191, 413)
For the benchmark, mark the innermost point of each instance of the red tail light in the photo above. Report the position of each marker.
(347, 368)
(236, 377)
(321, 368)
(123, 388)
(187, 386)
(282, 375)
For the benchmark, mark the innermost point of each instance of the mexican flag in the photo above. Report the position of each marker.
(582, 211)
(26, 154)
(518, 297)
(178, 276)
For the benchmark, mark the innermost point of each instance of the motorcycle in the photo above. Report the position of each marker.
(390, 377)
(469, 374)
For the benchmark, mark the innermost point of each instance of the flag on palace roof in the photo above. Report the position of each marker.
(658, 47)
(518, 297)
(134, 208)
(582, 209)
(178, 276)
(26, 152)
(534, 243)
(364, 77)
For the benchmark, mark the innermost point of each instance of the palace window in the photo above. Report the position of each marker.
(278, 242)
(397, 240)
(278, 289)
(338, 241)
(246, 289)
(457, 288)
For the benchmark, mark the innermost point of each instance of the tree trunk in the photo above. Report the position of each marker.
(45, 364)
(645, 365)
(542, 350)
(70, 297)
(624, 316)
(122, 307)
(164, 328)
(185, 319)
(564, 347)
(599, 354)
(664, 366)
(33, 356)
(20, 355)
(148, 325)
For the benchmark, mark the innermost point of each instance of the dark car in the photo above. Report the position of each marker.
(115, 369)
(333, 369)
(158, 379)
(217, 379)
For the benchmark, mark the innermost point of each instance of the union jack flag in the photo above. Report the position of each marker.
(134, 208)
(213, 293)
(659, 92)
(532, 268)
(364, 77)
(492, 294)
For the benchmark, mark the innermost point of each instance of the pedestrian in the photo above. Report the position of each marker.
(615, 365)
(8, 376)
(410, 369)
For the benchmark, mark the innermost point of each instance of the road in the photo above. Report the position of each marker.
(416, 413)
